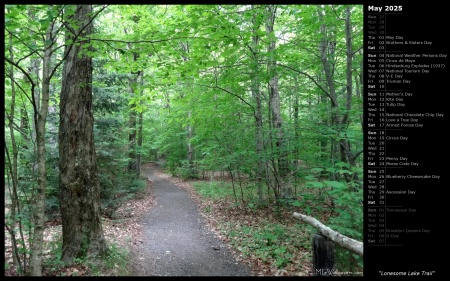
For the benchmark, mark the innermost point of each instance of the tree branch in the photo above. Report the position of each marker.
(33, 85)
(145, 41)
(33, 51)
(307, 75)
(357, 154)
(225, 90)
(348, 243)
(75, 40)
(20, 87)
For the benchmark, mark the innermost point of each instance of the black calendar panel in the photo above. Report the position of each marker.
(406, 123)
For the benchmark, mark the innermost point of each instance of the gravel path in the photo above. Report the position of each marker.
(176, 241)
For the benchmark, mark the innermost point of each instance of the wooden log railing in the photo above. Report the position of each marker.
(323, 252)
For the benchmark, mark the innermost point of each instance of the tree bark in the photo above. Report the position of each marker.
(189, 129)
(132, 164)
(259, 144)
(325, 57)
(39, 201)
(78, 179)
(139, 133)
(35, 67)
(139, 143)
(339, 119)
(344, 144)
(190, 148)
(348, 243)
(15, 152)
(135, 136)
(282, 164)
(297, 140)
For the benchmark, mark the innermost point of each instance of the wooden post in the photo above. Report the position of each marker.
(348, 243)
(323, 256)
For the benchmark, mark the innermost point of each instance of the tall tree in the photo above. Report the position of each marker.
(189, 129)
(139, 135)
(15, 153)
(346, 150)
(281, 167)
(40, 43)
(40, 121)
(340, 119)
(134, 160)
(79, 184)
(256, 94)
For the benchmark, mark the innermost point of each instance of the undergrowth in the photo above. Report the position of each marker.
(273, 238)
(114, 262)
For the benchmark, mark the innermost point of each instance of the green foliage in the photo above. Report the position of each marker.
(186, 171)
(116, 184)
(346, 261)
(114, 262)
(201, 74)
(118, 190)
(271, 243)
(52, 191)
(346, 194)
(117, 258)
(214, 189)
(244, 194)
(53, 262)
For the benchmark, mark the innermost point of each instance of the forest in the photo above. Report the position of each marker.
(258, 107)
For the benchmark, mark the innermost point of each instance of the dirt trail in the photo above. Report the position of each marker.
(175, 240)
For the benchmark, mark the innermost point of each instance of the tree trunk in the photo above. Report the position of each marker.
(15, 152)
(132, 154)
(190, 148)
(139, 133)
(360, 86)
(189, 129)
(35, 69)
(79, 184)
(324, 142)
(282, 165)
(39, 201)
(344, 144)
(296, 108)
(259, 144)
(339, 120)
(348, 104)
(134, 162)
(139, 143)
(327, 58)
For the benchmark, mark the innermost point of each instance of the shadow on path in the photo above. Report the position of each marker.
(176, 242)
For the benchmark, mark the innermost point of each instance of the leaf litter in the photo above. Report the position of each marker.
(124, 230)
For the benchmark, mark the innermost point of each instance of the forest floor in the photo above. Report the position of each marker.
(179, 237)
(167, 232)
(175, 239)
